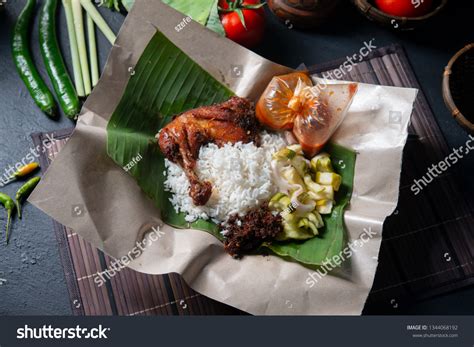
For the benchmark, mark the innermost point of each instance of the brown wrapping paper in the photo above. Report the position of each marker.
(114, 214)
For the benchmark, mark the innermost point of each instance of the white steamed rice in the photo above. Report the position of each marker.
(240, 174)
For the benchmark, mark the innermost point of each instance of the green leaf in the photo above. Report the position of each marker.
(214, 22)
(128, 4)
(111, 4)
(332, 237)
(198, 10)
(166, 82)
(202, 11)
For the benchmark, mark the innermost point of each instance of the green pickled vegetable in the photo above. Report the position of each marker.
(291, 231)
(329, 178)
(292, 176)
(304, 192)
(284, 154)
(324, 206)
(296, 148)
(322, 163)
(331, 239)
(318, 191)
(275, 202)
(299, 163)
(316, 219)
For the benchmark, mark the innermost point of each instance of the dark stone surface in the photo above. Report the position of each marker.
(30, 264)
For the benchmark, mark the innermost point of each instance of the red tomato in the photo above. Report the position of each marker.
(250, 35)
(405, 8)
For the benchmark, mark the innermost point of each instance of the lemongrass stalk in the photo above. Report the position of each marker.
(98, 20)
(76, 65)
(92, 51)
(81, 43)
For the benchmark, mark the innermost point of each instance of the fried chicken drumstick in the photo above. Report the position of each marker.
(229, 122)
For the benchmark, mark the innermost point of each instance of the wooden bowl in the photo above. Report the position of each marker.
(303, 13)
(458, 87)
(397, 23)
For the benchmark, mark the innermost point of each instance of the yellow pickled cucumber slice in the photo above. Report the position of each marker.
(329, 179)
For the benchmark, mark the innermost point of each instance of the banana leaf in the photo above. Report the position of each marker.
(167, 82)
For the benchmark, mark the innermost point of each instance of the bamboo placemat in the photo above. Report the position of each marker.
(128, 293)
(427, 247)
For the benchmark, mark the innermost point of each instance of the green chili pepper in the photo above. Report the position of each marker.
(22, 172)
(24, 61)
(26, 170)
(9, 205)
(25, 191)
(68, 99)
